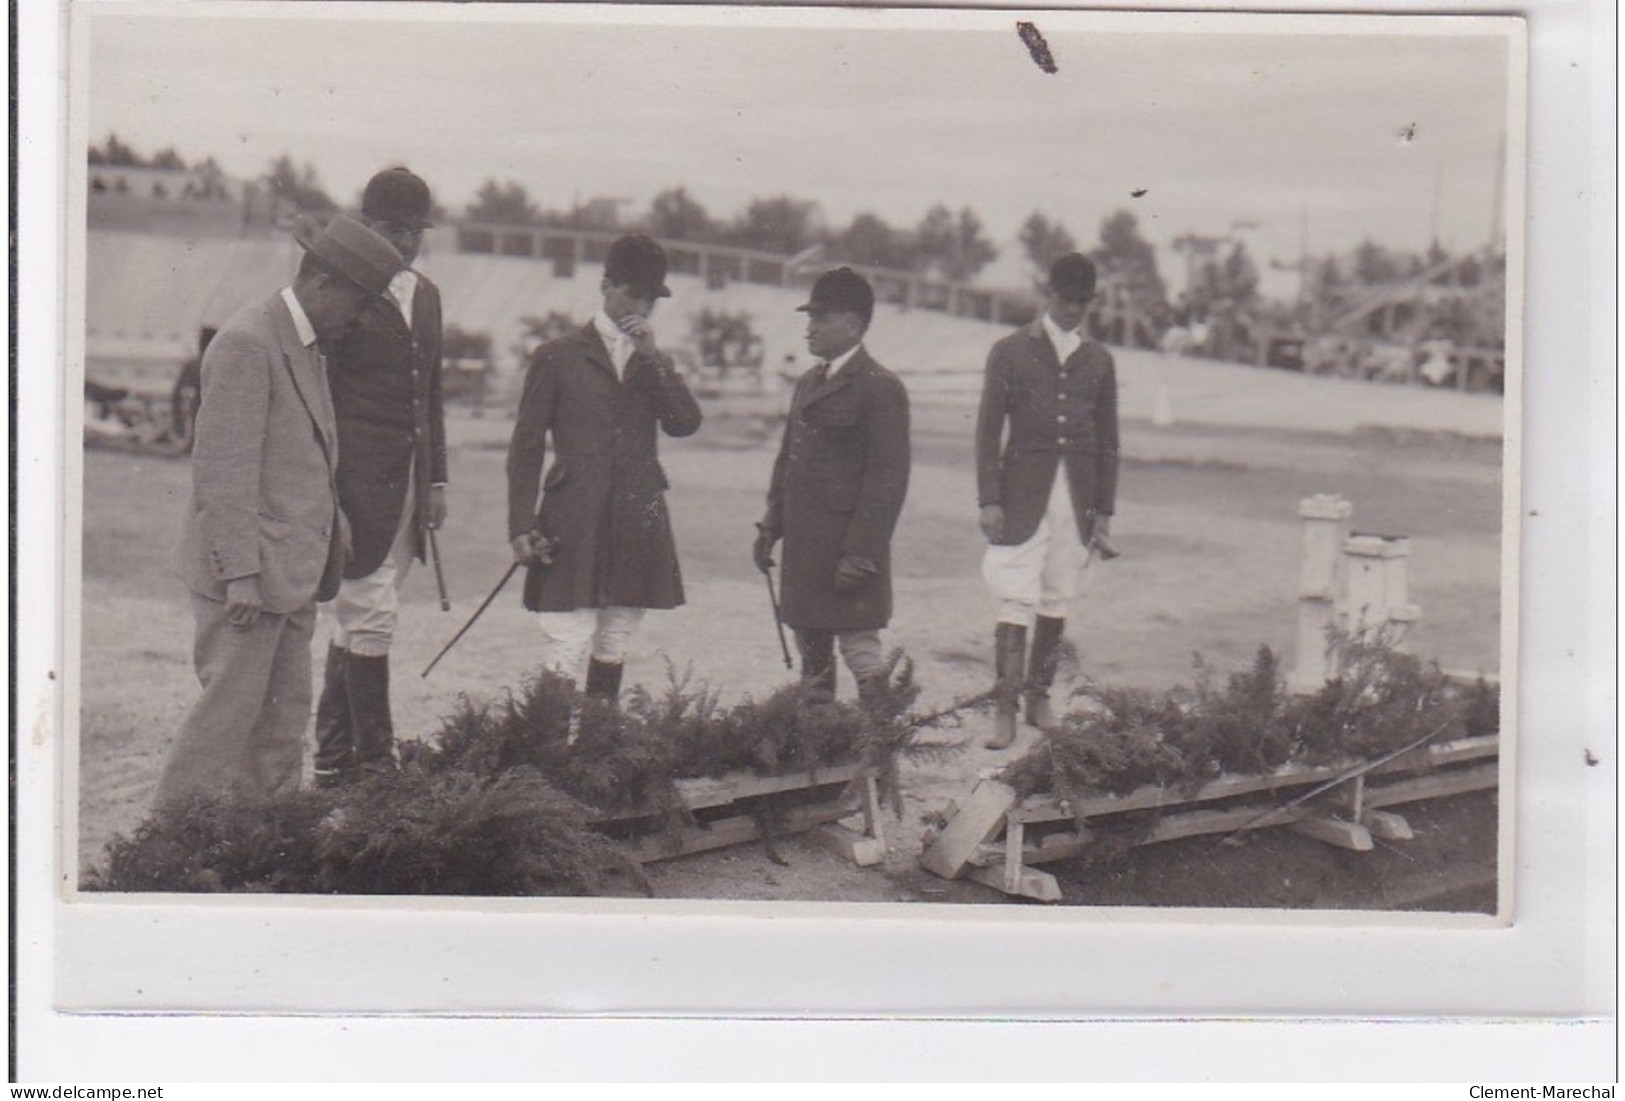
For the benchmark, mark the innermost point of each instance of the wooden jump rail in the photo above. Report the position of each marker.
(986, 838)
(740, 807)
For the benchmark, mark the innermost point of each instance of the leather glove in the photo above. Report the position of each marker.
(852, 571)
(762, 552)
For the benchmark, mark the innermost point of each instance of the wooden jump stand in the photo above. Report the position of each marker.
(741, 807)
(1354, 583)
(995, 839)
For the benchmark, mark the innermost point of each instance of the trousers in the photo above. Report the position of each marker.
(569, 638)
(362, 617)
(246, 732)
(859, 649)
(1046, 574)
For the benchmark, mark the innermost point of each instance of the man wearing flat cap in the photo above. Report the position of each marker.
(838, 487)
(386, 383)
(594, 533)
(1046, 474)
(263, 538)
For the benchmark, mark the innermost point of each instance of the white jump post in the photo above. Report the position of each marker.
(1378, 596)
(1325, 529)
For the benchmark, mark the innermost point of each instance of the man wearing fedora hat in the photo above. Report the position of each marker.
(386, 380)
(595, 533)
(837, 489)
(1046, 473)
(263, 538)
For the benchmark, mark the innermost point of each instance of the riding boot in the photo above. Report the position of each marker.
(1041, 665)
(335, 749)
(872, 692)
(1009, 655)
(604, 680)
(369, 712)
(817, 664)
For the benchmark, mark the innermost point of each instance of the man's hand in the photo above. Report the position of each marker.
(437, 506)
(534, 548)
(852, 571)
(991, 521)
(642, 334)
(244, 601)
(762, 552)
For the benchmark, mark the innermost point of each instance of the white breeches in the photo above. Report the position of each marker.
(362, 616)
(1044, 575)
(570, 637)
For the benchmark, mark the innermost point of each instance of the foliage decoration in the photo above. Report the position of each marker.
(507, 796)
(1379, 702)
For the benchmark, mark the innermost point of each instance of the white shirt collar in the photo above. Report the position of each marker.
(1064, 341)
(301, 323)
(613, 336)
(401, 289)
(843, 359)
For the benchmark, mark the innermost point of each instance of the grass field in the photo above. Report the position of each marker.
(1206, 520)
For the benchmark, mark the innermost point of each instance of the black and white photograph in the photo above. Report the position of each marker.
(994, 463)
(455, 397)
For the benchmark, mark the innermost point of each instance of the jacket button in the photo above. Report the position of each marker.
(1060, 418)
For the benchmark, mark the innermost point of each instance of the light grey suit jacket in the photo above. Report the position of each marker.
(266, 448)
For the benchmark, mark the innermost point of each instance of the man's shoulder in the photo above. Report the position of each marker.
(253, 325)
(1016, 339)
(1097, 351)
(881, 378)
(561, 348)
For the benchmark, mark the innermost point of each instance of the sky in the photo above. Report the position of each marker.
(1314, 135)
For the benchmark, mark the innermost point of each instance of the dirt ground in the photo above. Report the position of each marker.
(1207, 523)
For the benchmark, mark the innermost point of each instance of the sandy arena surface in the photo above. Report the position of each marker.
(1208, 528)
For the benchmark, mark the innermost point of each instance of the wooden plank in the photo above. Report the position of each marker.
(1435, 786)
(1386, 826)
(1465, 749)
(703, 792)
(874, 818)
(1033, 883)
(1336, 831)
(863, 851)
(728, 831)
(979, 819)
(1173, 827)
(1047, 808)
(1014, 835)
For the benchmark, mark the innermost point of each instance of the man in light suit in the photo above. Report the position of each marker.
(263, 537)
(1046, 476)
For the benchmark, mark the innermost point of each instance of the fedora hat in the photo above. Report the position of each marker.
(359, 254)
(841, 291)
